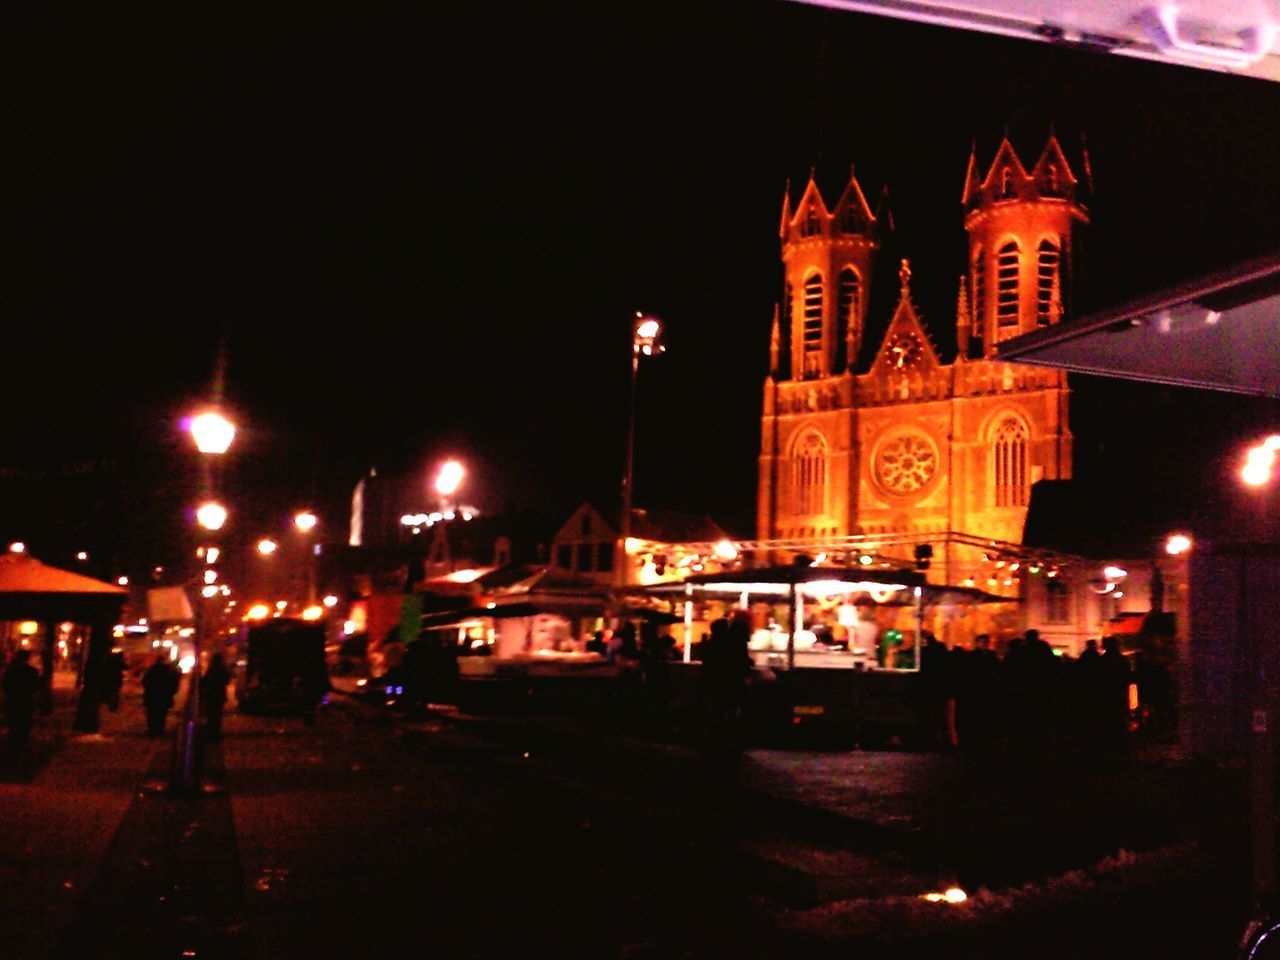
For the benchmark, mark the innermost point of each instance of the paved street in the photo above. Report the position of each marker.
(371, 833)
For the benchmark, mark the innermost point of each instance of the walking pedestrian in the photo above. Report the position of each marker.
(213, 695)
(21, 682)
(159, 687)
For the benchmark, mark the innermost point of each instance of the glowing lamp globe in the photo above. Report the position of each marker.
(211, 515)
(449, 478)
(212, 432)
(305, 521)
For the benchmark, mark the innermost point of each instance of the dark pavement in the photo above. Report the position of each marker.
(372, 833)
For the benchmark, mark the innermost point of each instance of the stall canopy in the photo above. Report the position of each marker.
(810, 581)
(31, 590)
(1218, 332)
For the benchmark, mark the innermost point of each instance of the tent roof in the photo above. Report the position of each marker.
(31, 590)
(21, 573)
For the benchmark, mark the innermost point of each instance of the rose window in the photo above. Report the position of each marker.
(907, 464)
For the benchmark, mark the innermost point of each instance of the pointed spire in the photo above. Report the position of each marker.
(775, 343)
(884, 213)
(971, 181)
(851, 211)
(1086, 166)
(904, 276)
(964, 322)
(785, 220)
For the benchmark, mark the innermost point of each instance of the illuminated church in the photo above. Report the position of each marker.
(895, 438)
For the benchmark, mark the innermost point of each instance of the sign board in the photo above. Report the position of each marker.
(168, 605)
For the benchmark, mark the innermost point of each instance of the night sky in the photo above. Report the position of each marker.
(424, 233)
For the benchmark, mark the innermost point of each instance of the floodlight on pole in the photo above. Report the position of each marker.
(450, 478)
(646, 341)
(211, 515)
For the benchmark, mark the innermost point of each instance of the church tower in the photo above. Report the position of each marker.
(899, 439)
(1019, 223)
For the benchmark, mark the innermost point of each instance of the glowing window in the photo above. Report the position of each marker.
(1050, 186)
(848, 304)
(809, 474)
(979, 292)
(1010, 453)
(1047, 283)
(851, 222)
(1007, 265)
(813, 326)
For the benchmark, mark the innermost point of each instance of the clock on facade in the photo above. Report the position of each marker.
(903, 350)
(906, 463)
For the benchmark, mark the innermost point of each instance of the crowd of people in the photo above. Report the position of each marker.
(1032, 697)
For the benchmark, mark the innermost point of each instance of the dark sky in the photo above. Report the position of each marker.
(424, 232)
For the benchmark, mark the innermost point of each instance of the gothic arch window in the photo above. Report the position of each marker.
(809, 473)
(1048, 260)
(812, 330)
(979, 291)
(1051, 187)
(1009, 448)
(1008, 262)
(1006, 184)
(848, 306)
(812, 226)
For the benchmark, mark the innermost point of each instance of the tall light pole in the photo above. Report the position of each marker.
(646, 333)
(306, 521)
(212, 433)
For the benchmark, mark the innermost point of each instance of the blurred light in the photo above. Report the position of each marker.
(1177, 543)
(305, 521)
(226, 590)
(17, 547)
(330, 601)
(123, 581)
(211, 555)
(213, 432)
(1034, 568)
(1255, 474)
(186, 663)
(1264, 455)
(449, 478)
(633, 545)
(1114, 573)
(211, 576)
(28, 628)
(313, 613)
(648, 328)
(866, 560)
(82, 555)
(349, 627)
(258, 611)
(209, 591)
(724, 550)
(281, 604)
(211, 515)
(1272, 442)
(950, 895)
(266, 546)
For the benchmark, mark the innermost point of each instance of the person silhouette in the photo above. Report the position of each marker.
(21, 682)
(159, 687)
(213, 695)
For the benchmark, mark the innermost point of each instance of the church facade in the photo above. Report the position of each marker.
(898, 437)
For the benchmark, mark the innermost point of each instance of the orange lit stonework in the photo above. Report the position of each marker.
(860, 438)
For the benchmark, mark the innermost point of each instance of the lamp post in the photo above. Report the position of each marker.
(213, 434)
(306, 521)
(646, 333)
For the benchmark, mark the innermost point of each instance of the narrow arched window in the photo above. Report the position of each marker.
(848, 308)
(812, 226)
(851, 221)
(812, 330)
(1006, 184)
(979, 292)
(1050, 187)
(1048, 292)
(1010, 456)
(809, 474)
(1007, 264)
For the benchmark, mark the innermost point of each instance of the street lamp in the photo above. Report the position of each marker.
(306, 521)
(448, 480)
(646, 334)
(212, 433)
